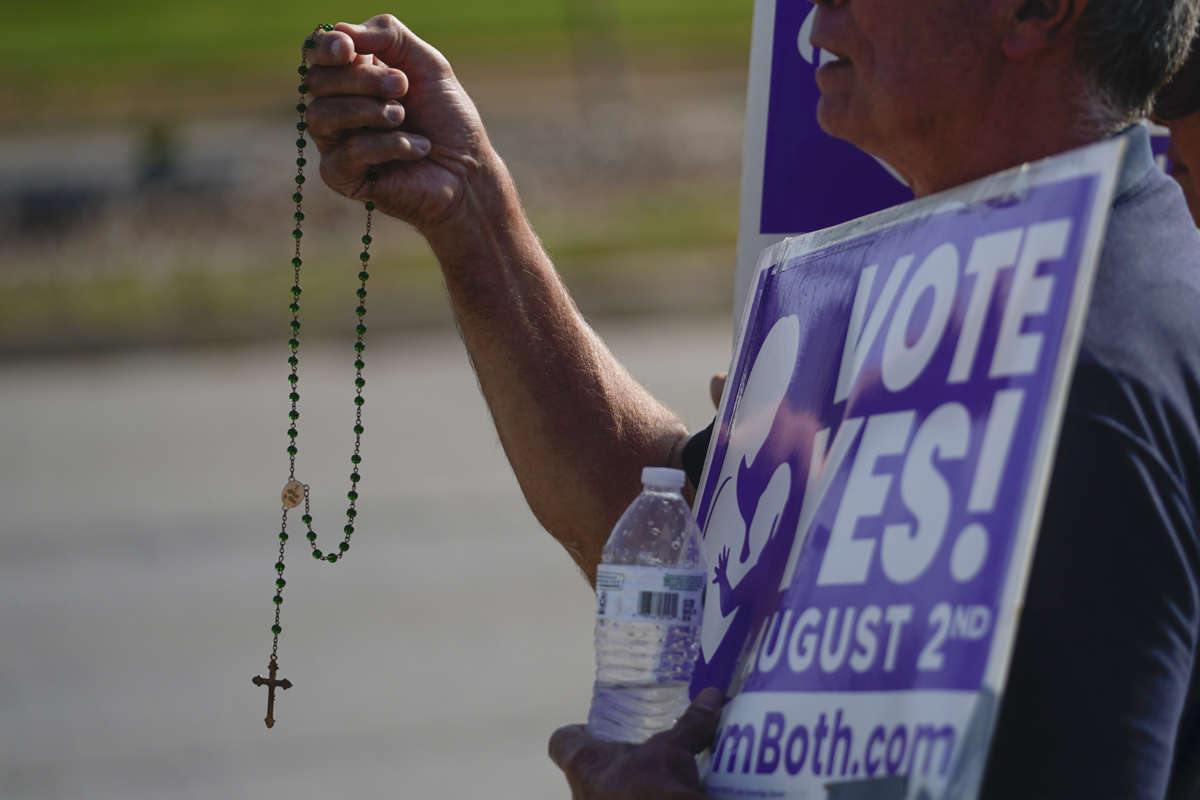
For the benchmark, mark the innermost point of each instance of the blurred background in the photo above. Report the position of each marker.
(146, 162)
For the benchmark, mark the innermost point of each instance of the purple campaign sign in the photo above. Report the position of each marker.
(811, 180)
(871, 495)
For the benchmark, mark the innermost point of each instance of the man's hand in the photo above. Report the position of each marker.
(663, 768)
(423, 149)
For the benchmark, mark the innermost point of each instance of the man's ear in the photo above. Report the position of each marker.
(1035, 26)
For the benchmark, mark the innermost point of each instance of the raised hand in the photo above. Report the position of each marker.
(383, 99)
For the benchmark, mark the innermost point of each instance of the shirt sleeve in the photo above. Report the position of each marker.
(694, 453)
(1098, 690)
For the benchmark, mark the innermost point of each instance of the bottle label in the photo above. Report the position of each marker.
(649, 594)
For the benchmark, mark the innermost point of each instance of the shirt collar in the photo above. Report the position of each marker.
(1139, 158)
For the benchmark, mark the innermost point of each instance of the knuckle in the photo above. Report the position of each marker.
(317, 116)
(317, 79)
(387, 21)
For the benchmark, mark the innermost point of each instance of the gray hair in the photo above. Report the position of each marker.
(1130, 49)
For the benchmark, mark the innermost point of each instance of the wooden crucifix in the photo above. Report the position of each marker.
(271, 683)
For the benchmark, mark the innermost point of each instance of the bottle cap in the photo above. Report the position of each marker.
(663, 477)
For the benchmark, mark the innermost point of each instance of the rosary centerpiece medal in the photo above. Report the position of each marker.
(295, 493)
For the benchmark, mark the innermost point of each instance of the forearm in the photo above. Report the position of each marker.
(576, 427)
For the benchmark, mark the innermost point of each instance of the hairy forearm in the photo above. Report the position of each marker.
(576, 427)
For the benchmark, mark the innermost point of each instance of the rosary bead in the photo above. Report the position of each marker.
(292, 359)
(355, 477)
(293, 378)
(296, 198)
(359, 346)
(364, 276)
(292, 433)
(293, 343)
(360, 382)
(291, 451)
(366, 239)
(364, 256)
(300, 126)
(361, 310)
(327, 27)
(298, 216)
(349, 529)
(279, 566)
(294, 307)
(353, 495)
(361, 292)
(299, 179)
(372, 174)
(359, 400)
(312, 537)
(280, 582)
(370, 205)
(295, 324)
(331, 558)
(351, 512)
(360, 328)
(294, 396)
(303, 70)
(306, 519)
(301, 161)
(294, 414)
(358, 429)
(359, 364)
(356, 459)
(310, 43)
(301, 143)
(278, 599)
(317, 554)
(296, 290)
(276, 629)
(283, 537)
(344, 546)
(301, 107)
(297, 233)
(302, 88)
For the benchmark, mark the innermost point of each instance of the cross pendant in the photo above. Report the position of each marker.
(271, 683)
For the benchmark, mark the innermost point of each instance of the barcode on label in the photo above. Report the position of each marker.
(658, 604)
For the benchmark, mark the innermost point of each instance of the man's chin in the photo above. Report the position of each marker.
(833, 117)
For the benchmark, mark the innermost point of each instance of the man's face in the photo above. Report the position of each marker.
(1184, 154)
(909, 71)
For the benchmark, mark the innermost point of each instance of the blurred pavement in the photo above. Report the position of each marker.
(138, 518)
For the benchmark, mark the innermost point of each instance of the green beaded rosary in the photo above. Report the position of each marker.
(294, 492)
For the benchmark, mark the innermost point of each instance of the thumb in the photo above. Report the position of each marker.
(392, 41)
(694, 731)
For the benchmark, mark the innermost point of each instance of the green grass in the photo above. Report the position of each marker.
(132, 52)
(673, 244)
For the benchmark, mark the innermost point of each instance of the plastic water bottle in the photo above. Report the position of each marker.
(649, 594)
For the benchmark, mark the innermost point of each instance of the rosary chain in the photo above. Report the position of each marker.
(294, 360)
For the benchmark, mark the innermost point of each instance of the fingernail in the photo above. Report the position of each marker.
(711, 699)
(394, 85)
(421, 146)
(337, 48)
(394, 113)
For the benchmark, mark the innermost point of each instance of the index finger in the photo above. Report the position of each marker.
(330, 48)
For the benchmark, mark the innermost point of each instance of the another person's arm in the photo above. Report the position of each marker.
(575, 425)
